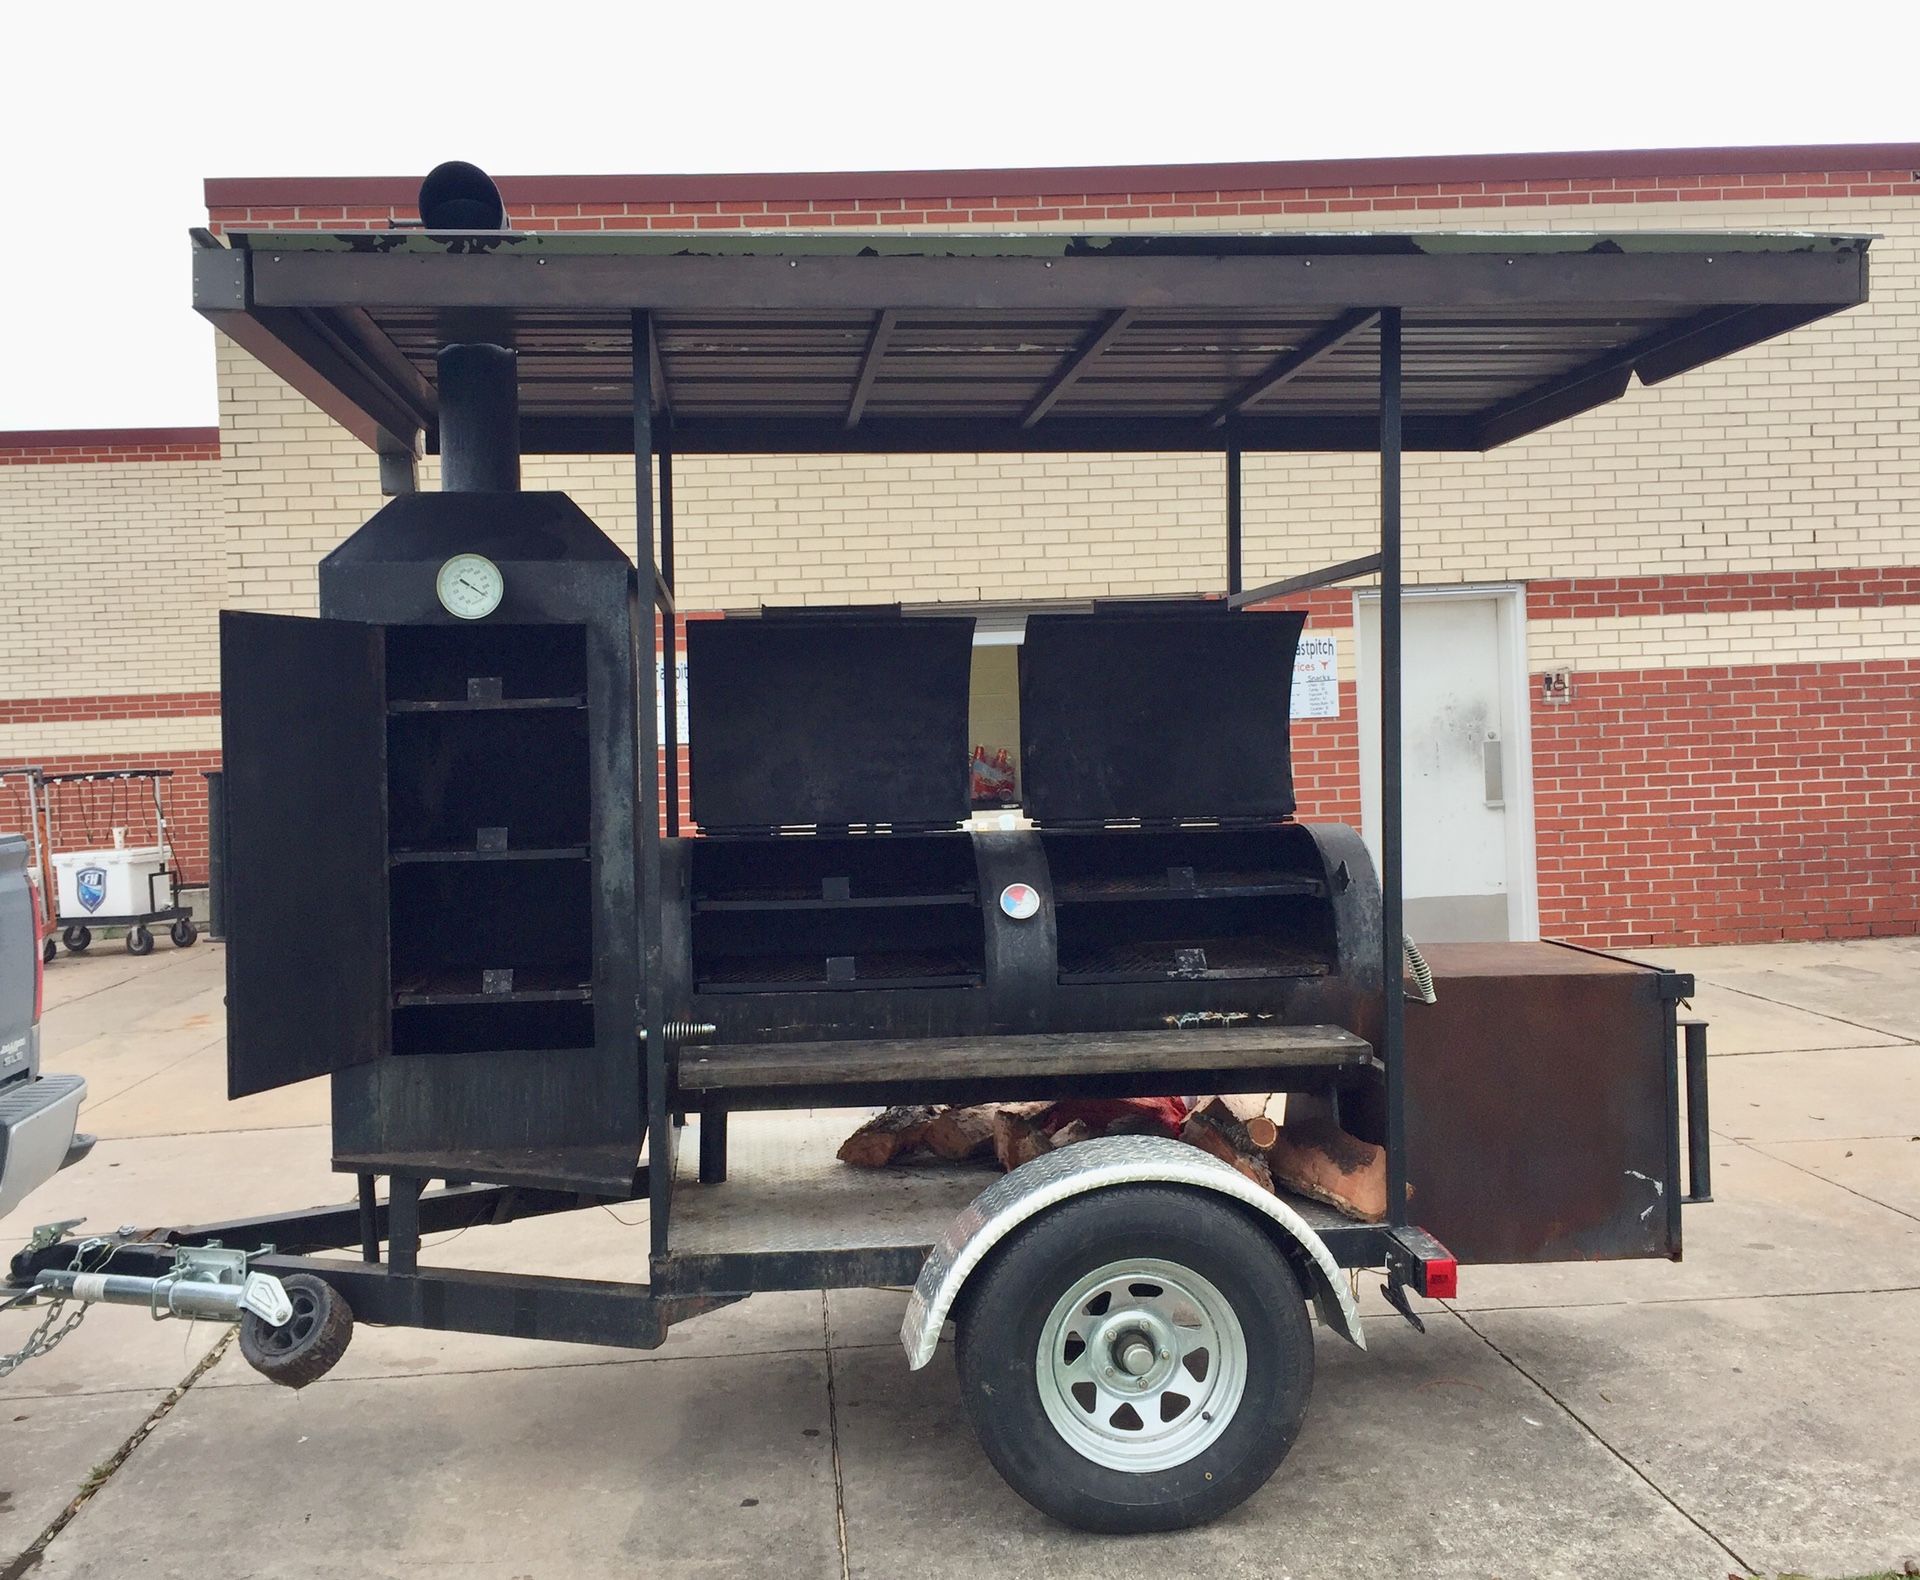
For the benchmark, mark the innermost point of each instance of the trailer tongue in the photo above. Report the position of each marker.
(536, 976)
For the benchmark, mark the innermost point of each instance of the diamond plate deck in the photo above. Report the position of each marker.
(786, 1191)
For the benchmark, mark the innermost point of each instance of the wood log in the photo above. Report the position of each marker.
(1212, 1129)
(886, 1136)
(1316, 1157)
(1073, 1130)
(1018, 1138)
(957, 1134)
(1246, 1106)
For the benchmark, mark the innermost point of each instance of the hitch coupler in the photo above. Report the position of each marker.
(205, 1281)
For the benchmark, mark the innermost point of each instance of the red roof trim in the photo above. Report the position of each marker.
(401, 191)
(97, 438)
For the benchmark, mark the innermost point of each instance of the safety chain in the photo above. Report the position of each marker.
(47, 1335)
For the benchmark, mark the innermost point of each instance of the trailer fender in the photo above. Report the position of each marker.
(1086, 1166)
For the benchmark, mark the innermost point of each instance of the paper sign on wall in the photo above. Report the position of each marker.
(1316, 679)
(660, 699)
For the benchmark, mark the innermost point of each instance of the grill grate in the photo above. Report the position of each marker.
(1165, 960)
(888, 968)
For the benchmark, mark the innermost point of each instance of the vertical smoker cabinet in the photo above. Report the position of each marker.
(432, 875)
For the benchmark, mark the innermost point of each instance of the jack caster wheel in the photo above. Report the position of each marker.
(139, 941)
(76, 939)
(1136, 1359)
(183, 933)
(309, 1344)
(48, 951)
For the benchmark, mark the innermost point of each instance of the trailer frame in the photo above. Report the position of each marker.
(1385, 345)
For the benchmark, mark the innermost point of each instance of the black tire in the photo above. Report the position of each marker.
(183, 933)
(310, 1344)
(76, 938)
(49, 951)
(139, 941)
(1009, 1305)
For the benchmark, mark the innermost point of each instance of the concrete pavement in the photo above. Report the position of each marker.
(1750, 1410)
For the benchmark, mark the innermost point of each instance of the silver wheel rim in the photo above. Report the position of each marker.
(1141, 1365)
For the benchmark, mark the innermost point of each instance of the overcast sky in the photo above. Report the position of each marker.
(112, 114)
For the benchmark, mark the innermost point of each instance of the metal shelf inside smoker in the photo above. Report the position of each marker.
(493, 705)
(919, 968)
(1106, 960)
(412, 855)
(1209, 886)
(818, 903)
(457, 985)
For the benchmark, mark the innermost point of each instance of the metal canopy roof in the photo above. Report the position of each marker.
(772, 342)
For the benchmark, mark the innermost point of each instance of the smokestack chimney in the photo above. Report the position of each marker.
(479, 391)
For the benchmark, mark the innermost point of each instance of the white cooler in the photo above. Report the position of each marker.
(112, 882)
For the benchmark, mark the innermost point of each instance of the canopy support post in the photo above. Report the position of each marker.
(661, 1135)
(1392, 910)
(1233, 520)
(670, 636)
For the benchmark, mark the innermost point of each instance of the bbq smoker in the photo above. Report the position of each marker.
(533, 979)
(479, 775)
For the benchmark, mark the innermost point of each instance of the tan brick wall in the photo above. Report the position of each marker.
(110, 574)
(1798, 454)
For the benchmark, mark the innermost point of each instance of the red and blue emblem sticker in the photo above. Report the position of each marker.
(1020, 901)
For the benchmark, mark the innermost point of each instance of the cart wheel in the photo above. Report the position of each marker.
(76, 938)
(183, 933)
(49, 950)
(139, 941)
(1137, 1359)
(309, 1344)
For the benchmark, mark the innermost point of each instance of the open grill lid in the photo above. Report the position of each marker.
(1157, 716)
(828, 718)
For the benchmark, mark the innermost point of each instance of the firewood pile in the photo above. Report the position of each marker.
(1280, 1142)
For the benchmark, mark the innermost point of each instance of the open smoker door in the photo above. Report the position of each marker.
(303, 743)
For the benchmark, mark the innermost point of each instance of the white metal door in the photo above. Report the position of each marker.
(1466, 764)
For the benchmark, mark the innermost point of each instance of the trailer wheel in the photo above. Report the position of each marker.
(183, 933)
(49, 951)
(139, 941)
(76, 938)
(1136, 1359)
(309, 1344)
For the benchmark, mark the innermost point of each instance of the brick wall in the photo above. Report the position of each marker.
(1765, 510)
(1731, 805)
(1761, 512)
(112, 568)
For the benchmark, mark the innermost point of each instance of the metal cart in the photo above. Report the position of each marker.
(1132, 1337)
(158, 886)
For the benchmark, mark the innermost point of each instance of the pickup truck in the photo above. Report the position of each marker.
(38, 1113)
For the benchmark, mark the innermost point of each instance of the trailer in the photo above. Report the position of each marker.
(534, 984)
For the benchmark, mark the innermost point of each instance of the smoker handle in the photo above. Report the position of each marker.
(1493, 769)
(1699, 1159)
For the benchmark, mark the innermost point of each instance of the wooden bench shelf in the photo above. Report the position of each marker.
(981, 1069)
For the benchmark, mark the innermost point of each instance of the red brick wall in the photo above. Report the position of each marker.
(1730, 805)
(809, 203)
(65, 446)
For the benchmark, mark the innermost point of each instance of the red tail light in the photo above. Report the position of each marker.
(1442, 1281)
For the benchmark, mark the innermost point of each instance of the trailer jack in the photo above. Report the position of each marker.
(204, 1281)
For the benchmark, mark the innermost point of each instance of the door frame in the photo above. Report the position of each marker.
(1516, 759)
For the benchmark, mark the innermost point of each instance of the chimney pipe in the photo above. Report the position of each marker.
(479, 392)
(460, 196)
(479, 419)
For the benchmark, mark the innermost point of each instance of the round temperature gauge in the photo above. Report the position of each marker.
(470, 586)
